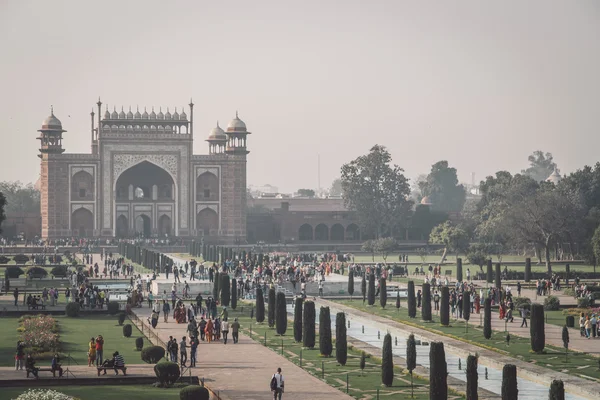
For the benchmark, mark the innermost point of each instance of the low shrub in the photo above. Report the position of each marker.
(43, 394)
(13, 272)
(127, 330)
(72, 310)
(569, 292)
(194, 392)
(583, 302)
(20, 259)
(59, 270)
(113, 308)
(122, 317)
(551, 303)
(139, 343)
(4, 260)
(522, 302)
(36, 272)
(152, 354)
(167, 373)
(39, 333)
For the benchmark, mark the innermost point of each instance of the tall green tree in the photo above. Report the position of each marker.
(377, 191)
(557, 390)
(306, 193)
(411, 359)
(438, 372)
(426, 304)
(20, 198)
(510, 390)
(369, 247)
(308, 325)
(371, 290)
(387, 361)
(216, 282)
(382, 292)
(487, 318)
(424, 219)
(541, 166)
(363, 287)
(280, 314)
(350, 282)
(225, 287)
(537, 329)
(336, 187)
(385, 246)
(445, 306)
(341, 342)
(411, 300)
(271, 309)
(325, 345)
(472, 378)
(442, 188)
(298, 301)
(233, 294)
(260, 305)
(453, 237)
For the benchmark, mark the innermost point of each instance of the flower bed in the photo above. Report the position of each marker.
(39, 333)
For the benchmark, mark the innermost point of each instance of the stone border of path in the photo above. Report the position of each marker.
(535, 373)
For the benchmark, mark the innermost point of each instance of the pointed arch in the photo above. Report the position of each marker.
(207, 221)
(164, 225)
(305, 232)
(122, 227)
(321, 232)
(82, 222)
(207, 187)
(82, 186)
(337, 233)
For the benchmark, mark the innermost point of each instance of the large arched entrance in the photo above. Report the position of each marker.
(305, 232)
(207, 221)
(82, 222)
(141, 192)
(143, 226)
(321, 232)
(337, 233)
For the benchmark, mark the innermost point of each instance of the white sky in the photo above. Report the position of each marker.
(479, 83)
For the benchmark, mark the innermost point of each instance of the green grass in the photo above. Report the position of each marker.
(129, 392)
(553, 358)
(362, 385)
(75, 334)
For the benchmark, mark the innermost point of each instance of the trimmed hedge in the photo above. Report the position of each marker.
(36, 272)
(498, 280)
(20, 259)
(194, 392)
(412, 301)
(152, 354)
(445, 306)
(509, 382)
(280, 314)
(570, 321)
(557, 390)
(527, 275)
(472, 378)
(387, 361)
(225, 286)
(59, 270)
(551, 303)
(271, 309)
(13, 272)
(112, 307)
(325, 346)
(233, 294)
(351, 283)
(122, 317)
(341, 342)
(487, 318)
(308, 325)
(371, 290)
(139, 343)
(167, 372)
(260, 306)
(438, 372)
(127, 330)
(363, 287)
(426, 304)
(382, 293)
(298, 302)
(459, 270)
(536, 328)
(72, 310)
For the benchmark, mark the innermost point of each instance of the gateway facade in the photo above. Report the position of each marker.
(142, 178)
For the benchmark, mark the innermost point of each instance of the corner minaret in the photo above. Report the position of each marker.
(236, 137)
(51, 135)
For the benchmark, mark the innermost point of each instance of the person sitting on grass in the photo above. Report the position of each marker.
(119, 362)
(30, 365)
(56, 365)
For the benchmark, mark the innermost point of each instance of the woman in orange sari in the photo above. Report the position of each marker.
(502, 310)
(209, 330)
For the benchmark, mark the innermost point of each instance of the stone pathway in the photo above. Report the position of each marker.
(243, 371)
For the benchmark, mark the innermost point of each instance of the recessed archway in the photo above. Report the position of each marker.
(321, 232)
(207, 187)
(122, 226)
(207, 220)
(164, 225)
(82, 222)
(82, 186)
(143, 225)
(149, 183)
(305, 232)
(337, 233)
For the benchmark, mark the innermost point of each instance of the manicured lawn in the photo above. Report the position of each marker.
(129, 392)
(519, 347)
(75, 334)
(362, 385)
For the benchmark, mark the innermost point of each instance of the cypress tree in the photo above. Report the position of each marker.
(363, 361)
(412, 301)
(536, 328)
(363, 287)
(225, 287)
(308, 325)
(280, 314)
(527, 269)
(490, 272)
(411, 358)
(557, 390)
(438, 372)
(487, 318)
(298, 319)
(325, 346)
(341, 341)
(445, 306)
(350, 282)
(472, 378)
(387, 361)
(466, 308)
(382, 293)
(371, 290)
(509, 382)
(271, 309)
(459, 272)
(498, 276)
(216, 280)
(426, 303)
(260, 305)
(398, 300)
(233, 294)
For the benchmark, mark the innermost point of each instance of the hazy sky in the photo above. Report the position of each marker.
(479, 83)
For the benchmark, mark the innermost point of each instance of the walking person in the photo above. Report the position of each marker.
(225, 330)
(235, 328)
(166, 310)
(524, 316)
(183, 351)
(99, 350)
(277, 383)
(193, 351)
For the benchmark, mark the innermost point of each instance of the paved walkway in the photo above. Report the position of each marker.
(243, 371)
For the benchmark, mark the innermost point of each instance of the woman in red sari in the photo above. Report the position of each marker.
(502, 310)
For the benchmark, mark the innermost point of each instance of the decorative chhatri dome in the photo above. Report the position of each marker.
(129, 114)
(236, 125)
(176, 115)
(554, 177)
(217, 134)
(145, 114)
(168, 114)
(426, 201)
(122, 114)
(114, 114)
(137, 114)
(107, 113)
(160, 114)
(183, 116)
(152, 114)
(51, 122)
